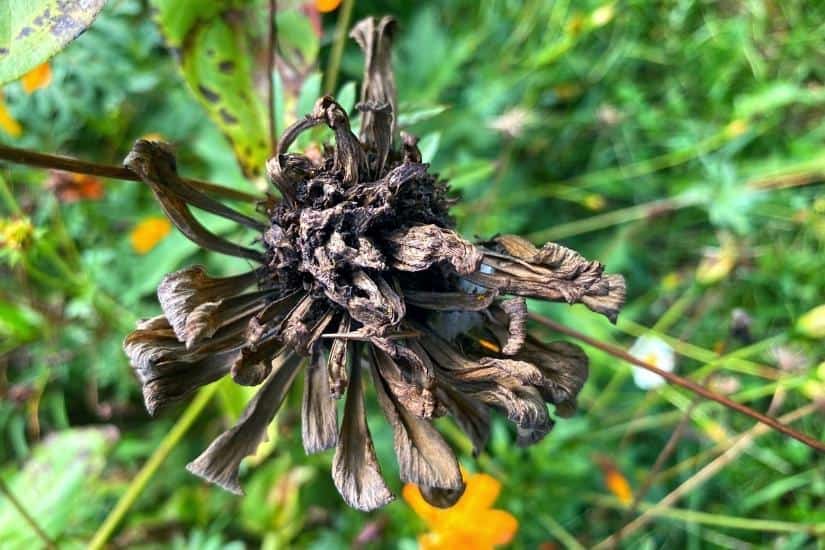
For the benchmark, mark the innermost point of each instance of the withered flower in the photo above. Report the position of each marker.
(358, 267)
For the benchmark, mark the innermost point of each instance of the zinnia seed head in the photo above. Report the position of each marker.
(359, 267)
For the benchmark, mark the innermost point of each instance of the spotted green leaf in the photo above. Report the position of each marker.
(210, 44)
(31, 31)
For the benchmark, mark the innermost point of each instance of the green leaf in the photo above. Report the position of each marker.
(211, 45)
(31, 31)
(58, 486)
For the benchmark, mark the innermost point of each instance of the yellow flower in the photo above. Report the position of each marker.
(15, 234)
(39, 77)
(594, 201)
(325, 6)
(7, 122)
(470, 524)
(812, 324)
(148, 233)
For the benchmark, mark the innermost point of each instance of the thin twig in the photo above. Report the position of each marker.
(17, 505)
(741, 443)
(344, 17)
(68, 164)
(682, 382)
(271, 52)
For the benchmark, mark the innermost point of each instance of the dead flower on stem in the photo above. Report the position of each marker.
(358, 268)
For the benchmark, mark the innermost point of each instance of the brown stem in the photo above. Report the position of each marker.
(271, 52)
(683, 382)
(68, 164)
(17, 505)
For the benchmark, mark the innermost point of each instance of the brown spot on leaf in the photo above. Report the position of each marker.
(228, 117)
(209, 95)
(226, 66)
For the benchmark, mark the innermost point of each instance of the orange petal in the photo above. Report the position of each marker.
(481, 492)
(451, 540)
(325, 6)
(148, 233)
(618, 485)
(39, 77)
(7, 122)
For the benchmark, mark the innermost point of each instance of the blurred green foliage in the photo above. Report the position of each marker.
(660, 138)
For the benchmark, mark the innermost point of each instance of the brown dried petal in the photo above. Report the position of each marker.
(179, 293)
(205, 320)
(471, 415)
(380, 307)
(220, 462)
(339, 354)
(551, 273)
(349, 155)
(355, 469)
(408, 387)
(166, 370)
(419, 247)
(374, 36)
(516, 311)
(319, 416)
(564, 369)
(424, 458)
(154, 161)
(441, 498)
(450, 301)
(158, 172)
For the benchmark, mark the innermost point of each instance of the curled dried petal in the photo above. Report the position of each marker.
(450, 301)
(156, 167)
(514, 266)
(166, 370)
(419, 247)
(516, 311)
(375, 36)
(179, 293)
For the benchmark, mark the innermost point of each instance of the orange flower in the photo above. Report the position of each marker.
(325, 6)
(470, 524)
(615, 482)
(7, 122)
(74, 187)
(148, 233)
(39, 77)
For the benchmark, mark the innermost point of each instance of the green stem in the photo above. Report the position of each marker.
(705, 518)
(344, 17)
(149, 469)
(615, 217)
(557, 530)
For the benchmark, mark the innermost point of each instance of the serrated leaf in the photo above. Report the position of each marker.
(31, 31)
(211, 47)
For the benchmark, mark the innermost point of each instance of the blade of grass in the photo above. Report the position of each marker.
(27, 518)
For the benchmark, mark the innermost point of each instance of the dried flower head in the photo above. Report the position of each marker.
(359, 268)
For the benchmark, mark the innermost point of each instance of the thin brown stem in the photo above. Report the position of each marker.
(68, 164)
(682, 382)
(271, 52)
(17, 505)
